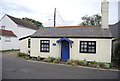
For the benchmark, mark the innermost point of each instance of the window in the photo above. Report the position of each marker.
(29, 43)
(2, 27)
(7, 39)
(88, 46)
(44, 45)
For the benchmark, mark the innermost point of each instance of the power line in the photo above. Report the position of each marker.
(61, 18)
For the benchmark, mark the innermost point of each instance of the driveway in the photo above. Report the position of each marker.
(18, 68)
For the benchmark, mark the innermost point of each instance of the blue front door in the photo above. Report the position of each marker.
(65, 51)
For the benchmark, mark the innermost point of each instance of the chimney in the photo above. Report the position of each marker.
(104, 10)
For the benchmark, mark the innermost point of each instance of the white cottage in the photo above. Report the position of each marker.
(19, 27)
(72, 42)
(90, 43)
(8, 40)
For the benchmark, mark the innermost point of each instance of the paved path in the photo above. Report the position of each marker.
(18, 68)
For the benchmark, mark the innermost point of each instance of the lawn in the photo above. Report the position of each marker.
(9, 50)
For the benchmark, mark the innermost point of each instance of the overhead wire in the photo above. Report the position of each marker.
(61, 18)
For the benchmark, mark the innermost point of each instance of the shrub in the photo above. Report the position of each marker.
(21, 54)
(111, 65)
(70, 62)
(45, 60)
(51, 59)
(82, 62)
(26, 57)
(106, 66)
(93, 62)
(38, 58)
(76, 62)
(56, 61)
(101, 64)
(73, 64)
(33, 58)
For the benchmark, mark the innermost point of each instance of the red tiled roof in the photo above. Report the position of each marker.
(7, 33)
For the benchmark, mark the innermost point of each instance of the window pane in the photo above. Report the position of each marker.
(88, 46)
(85, 42)
(93, 43)
(93, 47)
(82, 43)
(85, 46)
(82, 46)
(81, 49)
(89, 43)
(44, 46)
(85, 50)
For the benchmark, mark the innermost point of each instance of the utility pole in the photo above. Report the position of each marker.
(55, 17)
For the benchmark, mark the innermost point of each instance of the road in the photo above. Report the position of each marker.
(18, 68)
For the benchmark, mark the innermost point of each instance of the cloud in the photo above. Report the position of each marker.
(16, 8)
(42, 10)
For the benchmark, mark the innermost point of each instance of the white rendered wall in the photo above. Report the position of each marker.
(13, 44)
(55, 51)
(103, 49)
(24, 46)
(18, 31)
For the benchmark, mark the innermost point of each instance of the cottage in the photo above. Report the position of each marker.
(8, 40)
(16, 26)
(92, 43)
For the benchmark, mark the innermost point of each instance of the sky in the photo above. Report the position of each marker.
(69, 12)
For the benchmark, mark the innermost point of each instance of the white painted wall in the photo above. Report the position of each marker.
(13, 44)
(103, 49)
(19, 31)
(55, 51)
(24, 46)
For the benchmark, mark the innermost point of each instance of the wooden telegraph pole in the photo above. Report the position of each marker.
(55, 17)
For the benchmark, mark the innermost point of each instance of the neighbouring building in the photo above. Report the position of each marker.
(119, 11)
(19, 27)
(115, 29)
(93, 43)
(8, 40)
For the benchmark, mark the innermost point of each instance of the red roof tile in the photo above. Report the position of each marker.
(7, 33)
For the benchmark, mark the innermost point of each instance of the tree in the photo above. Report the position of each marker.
(36, 23)
(91, 20)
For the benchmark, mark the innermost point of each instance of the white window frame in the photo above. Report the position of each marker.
(7, 39)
